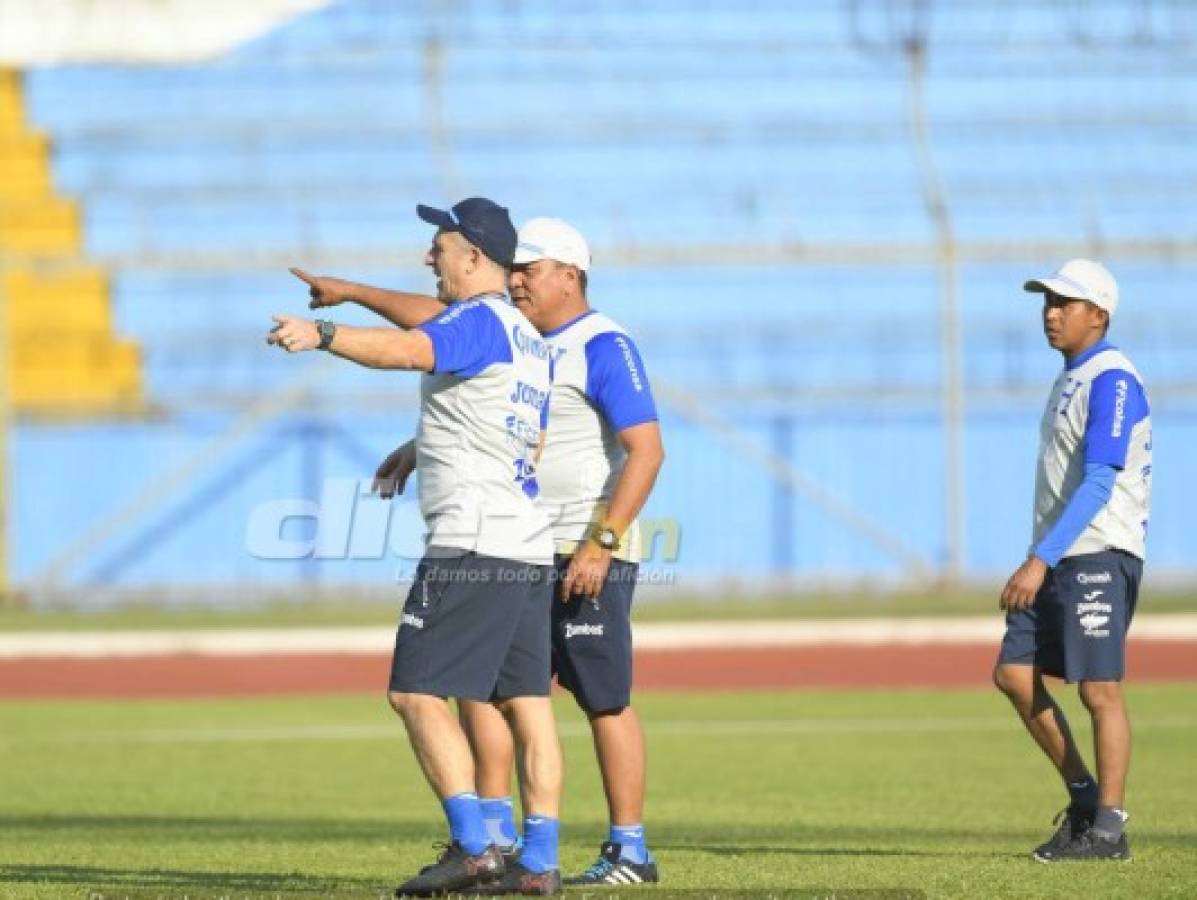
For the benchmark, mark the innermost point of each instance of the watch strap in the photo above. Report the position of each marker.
(328, 331)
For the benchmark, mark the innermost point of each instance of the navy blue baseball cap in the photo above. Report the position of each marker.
(482, 222)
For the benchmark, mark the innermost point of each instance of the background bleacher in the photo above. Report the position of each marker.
(747, 176)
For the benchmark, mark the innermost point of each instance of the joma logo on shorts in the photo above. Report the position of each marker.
(413, 620)
(1095, 578)
(583, 630)
(1095, 606)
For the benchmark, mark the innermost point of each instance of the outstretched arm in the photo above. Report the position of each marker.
(398, 307)
(376, 348)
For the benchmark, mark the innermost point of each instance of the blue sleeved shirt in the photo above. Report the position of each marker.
(466, 339)
(616, 383)
(1095, 436)
(600, 388)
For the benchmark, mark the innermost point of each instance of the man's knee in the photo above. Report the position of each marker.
(613, 712)
(528, 717)
(1101, 695)
(1016, 682)
(405, 702)
(506, 708)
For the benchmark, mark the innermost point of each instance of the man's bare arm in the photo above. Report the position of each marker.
(588, 567)
(398, 307)
(646, 454)
(376, 348)
(393, 472)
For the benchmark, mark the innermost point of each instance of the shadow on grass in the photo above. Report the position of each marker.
(876, 841)
(744, 849)
(220, 828)
(173, 879)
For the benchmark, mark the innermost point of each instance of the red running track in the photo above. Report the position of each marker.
(931, 665)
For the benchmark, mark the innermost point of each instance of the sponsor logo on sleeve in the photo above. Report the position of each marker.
(1120, 391)
(457, 310)
(630, 360)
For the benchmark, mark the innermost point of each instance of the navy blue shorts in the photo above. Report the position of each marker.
(592, 643)
(1076, 628)
(475, 627)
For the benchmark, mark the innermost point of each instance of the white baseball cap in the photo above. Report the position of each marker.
(1080, 279)
(548, 238)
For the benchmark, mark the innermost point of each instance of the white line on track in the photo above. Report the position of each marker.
(651, 636)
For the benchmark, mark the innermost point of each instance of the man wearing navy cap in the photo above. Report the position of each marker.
(476, 622)
(1069, 605)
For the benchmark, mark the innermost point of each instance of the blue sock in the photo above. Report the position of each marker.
(500, 823)
(631, 842)
(466, 825)
(540, 843)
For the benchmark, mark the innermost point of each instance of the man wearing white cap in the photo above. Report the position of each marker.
(601, 457)
(1069, 606)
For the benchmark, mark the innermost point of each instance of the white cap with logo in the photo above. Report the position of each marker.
(1080, 279)
(548, 238)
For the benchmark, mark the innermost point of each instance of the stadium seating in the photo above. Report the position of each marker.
(764, 147)
(62, 356)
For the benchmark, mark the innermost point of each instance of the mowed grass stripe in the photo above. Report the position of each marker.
(676, 728)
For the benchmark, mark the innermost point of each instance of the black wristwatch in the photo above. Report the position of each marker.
(606, 538)
(327, 331)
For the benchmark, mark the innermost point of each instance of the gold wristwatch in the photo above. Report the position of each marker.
(606, 538)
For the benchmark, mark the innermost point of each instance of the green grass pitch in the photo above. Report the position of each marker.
(938, 792)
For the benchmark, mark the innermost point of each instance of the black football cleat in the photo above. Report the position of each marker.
(1073, 821)
(1089, 845)
(518, 879)
(457, 871)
